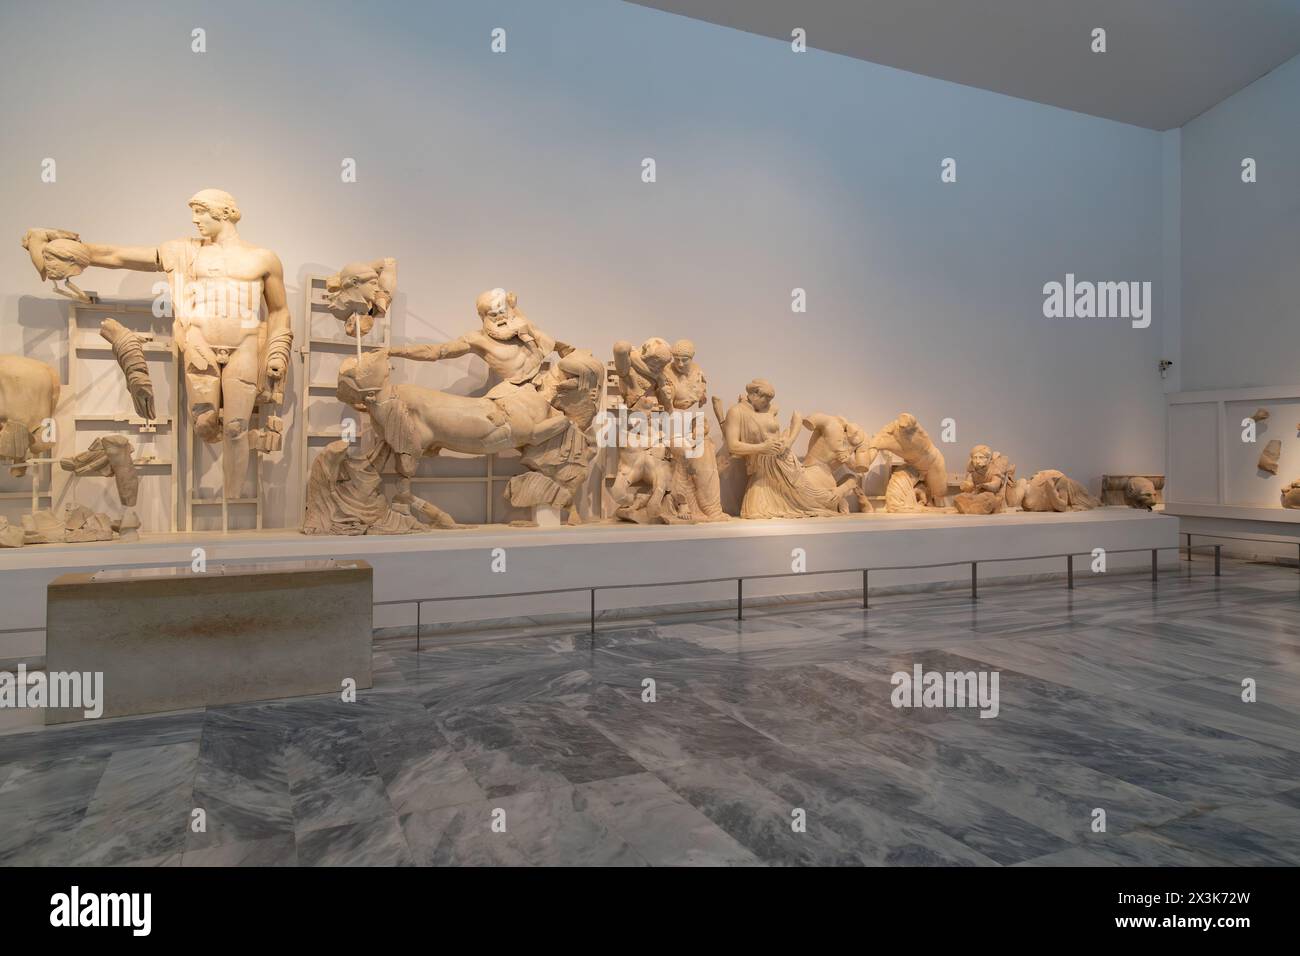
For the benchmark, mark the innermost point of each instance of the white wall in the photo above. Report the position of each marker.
(1241, 242)
(1240, 259)
(775, 170)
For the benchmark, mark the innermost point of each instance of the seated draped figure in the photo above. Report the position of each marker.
(778, 486)
(990, 484)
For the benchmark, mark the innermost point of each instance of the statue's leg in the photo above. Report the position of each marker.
(583, 367)
(547, 429)
(703, 469)
(238, 396)
(845, 488)
(203, 394)
(659, 482)
(936, 483)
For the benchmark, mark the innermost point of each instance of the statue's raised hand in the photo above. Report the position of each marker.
(56, 253)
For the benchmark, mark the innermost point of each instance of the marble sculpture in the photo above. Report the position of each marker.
(1291, 495)
(642, 489)
(112, 456)
(545, 410)
(360, 292)
(1268, 458)
(108, 456)
(234, 360)
(923, 476)
(658, 377)
(838, 458)
(128, 349)
(990, 485)
(542, 401)
(58, 255)
(411, 421)
(1132, 491)
(29, 394)
(1052, 490)
(345, 495)
(778, 486)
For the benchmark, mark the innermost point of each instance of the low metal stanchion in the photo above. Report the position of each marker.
(740, 599)
(974, 581)
(1069, 571)
(1217, 549)
(1154, 557)
(864, 590)
(418, 605)
(593, 610)
(1189, 546)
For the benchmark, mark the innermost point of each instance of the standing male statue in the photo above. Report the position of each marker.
(233, 359)
(684, 389)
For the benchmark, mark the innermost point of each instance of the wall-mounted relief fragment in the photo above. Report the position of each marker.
(1269, 456)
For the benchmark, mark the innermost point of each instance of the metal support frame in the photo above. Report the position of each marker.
(159, 347)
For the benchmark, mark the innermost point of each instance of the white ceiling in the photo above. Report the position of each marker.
(1167, 60)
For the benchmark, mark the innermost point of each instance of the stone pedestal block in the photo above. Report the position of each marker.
(172, 639)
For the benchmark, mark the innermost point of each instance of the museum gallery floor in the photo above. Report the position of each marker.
(1120, 693)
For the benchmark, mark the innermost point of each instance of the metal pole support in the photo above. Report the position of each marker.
(1189, 546)
(593, 610)
(974, 580)
(740, 599)
(1217, 549)
(1069, 571)
(864, 590)
(1154, 555)
(418, 605)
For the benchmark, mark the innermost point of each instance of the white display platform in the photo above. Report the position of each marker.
(452, 563)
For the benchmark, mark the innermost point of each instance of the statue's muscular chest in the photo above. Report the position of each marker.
(220, 289)
(510, 355)
(688, 389)
(228, 262)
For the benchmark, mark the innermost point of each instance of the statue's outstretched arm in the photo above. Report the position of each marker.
(433, 353)
(137, 258)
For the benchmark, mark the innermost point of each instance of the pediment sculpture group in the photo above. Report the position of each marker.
(552, 403)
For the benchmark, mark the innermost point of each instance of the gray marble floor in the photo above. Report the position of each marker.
(542, 749)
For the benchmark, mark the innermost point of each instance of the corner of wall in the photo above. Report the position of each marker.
(1171, 168)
